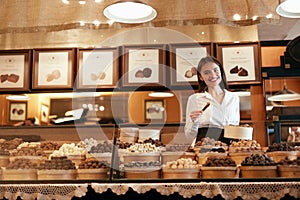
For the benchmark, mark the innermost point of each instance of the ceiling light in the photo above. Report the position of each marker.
(130, 12)
(289, 9)
(20, 97)
(96, 22)
(81, 2)
(82, 23)
(269, 16)
(236, 17)
(65, 1)
(160, 94)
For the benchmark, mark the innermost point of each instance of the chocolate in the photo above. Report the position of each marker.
(242, 72)
(3, 77)
(147, 72)
(139, 74)
(13, 78)
(234, 70)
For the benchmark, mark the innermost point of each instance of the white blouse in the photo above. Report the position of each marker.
(216, 115)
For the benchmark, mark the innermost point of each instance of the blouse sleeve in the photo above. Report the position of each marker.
(236, 112)
(190, 106)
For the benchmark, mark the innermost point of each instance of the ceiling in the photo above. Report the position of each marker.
(29, 16)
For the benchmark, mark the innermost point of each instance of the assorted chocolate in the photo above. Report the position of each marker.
(57, 163)
(142, 164)
(93, 164)
(105, 147)
(22, 163)
(219, 162)
(258, 160)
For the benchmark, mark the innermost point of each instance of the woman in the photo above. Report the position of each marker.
(223, 106)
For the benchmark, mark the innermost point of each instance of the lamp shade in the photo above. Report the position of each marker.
(131, 12)
(289, 9)
(285, 95)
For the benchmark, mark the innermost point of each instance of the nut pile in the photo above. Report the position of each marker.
(177, 147)
(143, 164)
(88, 143)
(57, 163)
(181, 163)
(4, 152)
(288, 161)
(69, 149)
(244, 146)
(280, 147)
(21, 164)
(258, 160)
(11, 144)
(123, 145)
(28, 151)
(49, 145)
(93, 164)
(102, 147)
(156, 142)
(219, 162)
(142, 148)
(209, 142)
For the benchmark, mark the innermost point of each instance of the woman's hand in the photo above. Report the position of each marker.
(194, 115)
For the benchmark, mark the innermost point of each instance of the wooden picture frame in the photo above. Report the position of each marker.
(154, 110)
(241, 62)
(143, 65)
(53, 68)
(15, 70)
(44, 114)
(97, 68)
(184, 59)
(17, 111)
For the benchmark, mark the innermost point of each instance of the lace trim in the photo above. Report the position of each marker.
(43, 191)
(246, 190)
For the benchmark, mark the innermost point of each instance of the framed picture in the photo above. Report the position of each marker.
(154, 110)
(97, 68)
(184, 59)
(15, 70)
(53, 68)
(241, 62)
(143, 65)
(44, 115)
(17, 111)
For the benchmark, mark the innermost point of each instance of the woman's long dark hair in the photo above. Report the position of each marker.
(202, 84)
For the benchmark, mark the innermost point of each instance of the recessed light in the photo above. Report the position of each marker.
(65, 1)
(130, 12)
(18, 97)
(160, 94)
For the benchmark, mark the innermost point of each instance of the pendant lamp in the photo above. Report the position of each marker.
(285, 95)
(289, 9)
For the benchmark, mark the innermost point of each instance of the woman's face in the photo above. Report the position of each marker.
(211, 74)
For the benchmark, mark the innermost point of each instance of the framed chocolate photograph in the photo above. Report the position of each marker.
(44, 114)
(154, 110)
(241, 61)
(97, 68)
(15, 70)
(53, 68)
(17, 111)
(184, 59)
(143, 65)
